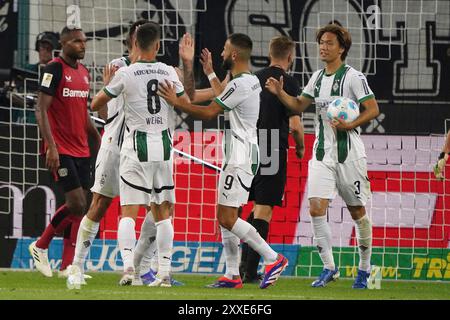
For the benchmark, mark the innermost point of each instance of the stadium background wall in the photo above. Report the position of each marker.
(404, 58)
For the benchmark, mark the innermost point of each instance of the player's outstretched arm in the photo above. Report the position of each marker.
(202, 95)
(167, 91)
(217, 87)
(371, 111)
(297, 104)
(52, 156)
(186, 53)
(208, 70)
(102, 98)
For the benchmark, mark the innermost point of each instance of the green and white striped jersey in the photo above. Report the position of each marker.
(114, 128)
(333, 145)
(148, 116)
(241, 100)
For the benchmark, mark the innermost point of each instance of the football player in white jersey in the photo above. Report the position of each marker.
(146, 170)
(145, 252)
(106, 184)
(339, 163)
(241, 100)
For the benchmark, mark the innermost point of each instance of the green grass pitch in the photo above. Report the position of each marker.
(32, 285)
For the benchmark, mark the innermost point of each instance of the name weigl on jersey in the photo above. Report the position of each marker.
(154, 120)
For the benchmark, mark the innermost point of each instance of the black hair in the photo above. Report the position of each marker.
(147, 34)
(132, 31)
(66, 30)
(342, 35)
(243, 43)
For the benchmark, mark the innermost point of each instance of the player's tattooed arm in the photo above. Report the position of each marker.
(182, 103)
(186, 52)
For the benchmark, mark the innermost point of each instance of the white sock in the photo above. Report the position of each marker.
(126, 237)
(154, 261)
(363, 228)
(247, 233)
(231, 250)
(164, 240)
(146, 245)
(85, 236)
(322, 239)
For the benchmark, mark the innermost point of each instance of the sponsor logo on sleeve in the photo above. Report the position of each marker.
(47, 80)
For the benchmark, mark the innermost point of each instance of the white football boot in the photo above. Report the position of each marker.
(65, 274)
(40, 259)
(127, 277)
(161, 282)
(137, 281)
(74, 278)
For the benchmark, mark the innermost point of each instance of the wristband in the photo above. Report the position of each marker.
(211, 76)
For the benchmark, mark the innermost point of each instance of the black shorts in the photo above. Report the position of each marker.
(268, 190)
(73, 173)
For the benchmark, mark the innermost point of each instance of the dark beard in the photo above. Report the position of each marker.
(227, 64)
(76, 56)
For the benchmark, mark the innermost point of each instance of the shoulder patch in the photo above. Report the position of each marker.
(46, 80)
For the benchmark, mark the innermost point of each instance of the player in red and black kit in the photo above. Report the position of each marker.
(65, 125)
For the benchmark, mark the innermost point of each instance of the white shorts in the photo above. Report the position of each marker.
(107, 173)
(142, 183)
(234, 187)
(349, 179)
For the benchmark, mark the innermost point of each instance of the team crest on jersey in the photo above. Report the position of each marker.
(68, 78)
(336, 86)
(62, 172)
(46, 80)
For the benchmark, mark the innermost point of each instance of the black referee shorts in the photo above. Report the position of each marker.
(268, 190)
(73, 173)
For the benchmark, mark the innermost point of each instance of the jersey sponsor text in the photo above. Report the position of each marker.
(68, 93)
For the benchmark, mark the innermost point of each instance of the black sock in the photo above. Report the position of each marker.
(243, 264)
(262, 226)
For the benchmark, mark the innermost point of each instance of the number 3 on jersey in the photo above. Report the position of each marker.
(153, 101)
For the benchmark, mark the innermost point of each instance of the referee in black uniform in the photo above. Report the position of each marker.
(267, 189)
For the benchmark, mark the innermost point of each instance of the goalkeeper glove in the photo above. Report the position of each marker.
(440, 165)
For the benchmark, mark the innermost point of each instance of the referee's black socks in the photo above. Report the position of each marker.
(244, 253)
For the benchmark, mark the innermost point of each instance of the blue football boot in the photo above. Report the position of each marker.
(325, 277)
(361, 280)
(150, 276)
